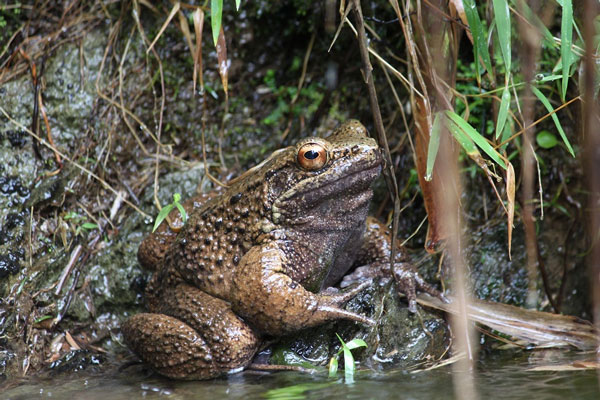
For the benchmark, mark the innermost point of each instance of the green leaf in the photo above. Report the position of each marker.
(216, 12)
(502, 18)
(162, 215)
(22, 284)
(549, 78)
(356, 343)
(333, 366)
(71, 215)
(434, 145)
(566, 36)
(237, 4)
(348, 362)
(181, 211)
(503, 111)
(89, 226)
(465, 142)
(40, 319)
(546, 140)
(550, 109)
(479, 34)
(473, 136)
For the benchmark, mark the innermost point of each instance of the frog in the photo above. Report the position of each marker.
(259, 259)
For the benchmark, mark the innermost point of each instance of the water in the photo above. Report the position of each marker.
(499, 376)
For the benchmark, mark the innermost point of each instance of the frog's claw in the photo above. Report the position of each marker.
(409, 280)
(340, 298)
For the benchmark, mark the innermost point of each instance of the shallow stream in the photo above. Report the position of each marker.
(499, 376)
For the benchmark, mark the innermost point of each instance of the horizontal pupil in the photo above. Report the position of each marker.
(311, 155)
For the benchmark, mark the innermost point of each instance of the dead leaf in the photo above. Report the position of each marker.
(542, 329)
(510, 202)
(222, 59)
(185, 29)
(71, 341)
(198, 17)
(457, 8)
(576, 366)
(174, 10)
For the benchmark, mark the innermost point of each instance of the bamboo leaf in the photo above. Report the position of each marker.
(434, 144)
(465, 129)
(502, 18)
(566, 36)
(216, 12)
(463, 139)
(550, 109)
(479, 34)
(503, 111)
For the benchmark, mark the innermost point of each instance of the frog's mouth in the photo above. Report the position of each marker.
(354, 178)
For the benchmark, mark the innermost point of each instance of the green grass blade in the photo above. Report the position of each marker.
(356, 343)
(162, 215)
(549, 107)
(549, 78)
(503, 111)
(434, 145)
(216, 12)
(502, 18)
(333, 366)
(474, 136)
(181, 211)
(479, 34)
(566, 35)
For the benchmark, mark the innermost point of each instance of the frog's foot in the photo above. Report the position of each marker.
(406, 277)
(332, 302)
(408, 280)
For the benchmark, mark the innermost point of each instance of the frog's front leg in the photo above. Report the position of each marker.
(191, 335)
(276, 304)
(373, 260)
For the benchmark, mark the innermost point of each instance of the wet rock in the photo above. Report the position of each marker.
(77, 360)
(399, 338)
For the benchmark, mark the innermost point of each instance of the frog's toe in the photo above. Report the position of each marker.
(339, 298)
(365, 272)
(424, 286)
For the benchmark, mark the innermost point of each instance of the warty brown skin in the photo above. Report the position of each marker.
(252, 260)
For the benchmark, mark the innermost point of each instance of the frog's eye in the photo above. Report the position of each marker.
(312, 156)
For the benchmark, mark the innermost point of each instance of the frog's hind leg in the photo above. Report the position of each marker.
(169, 346)
(191, 335)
